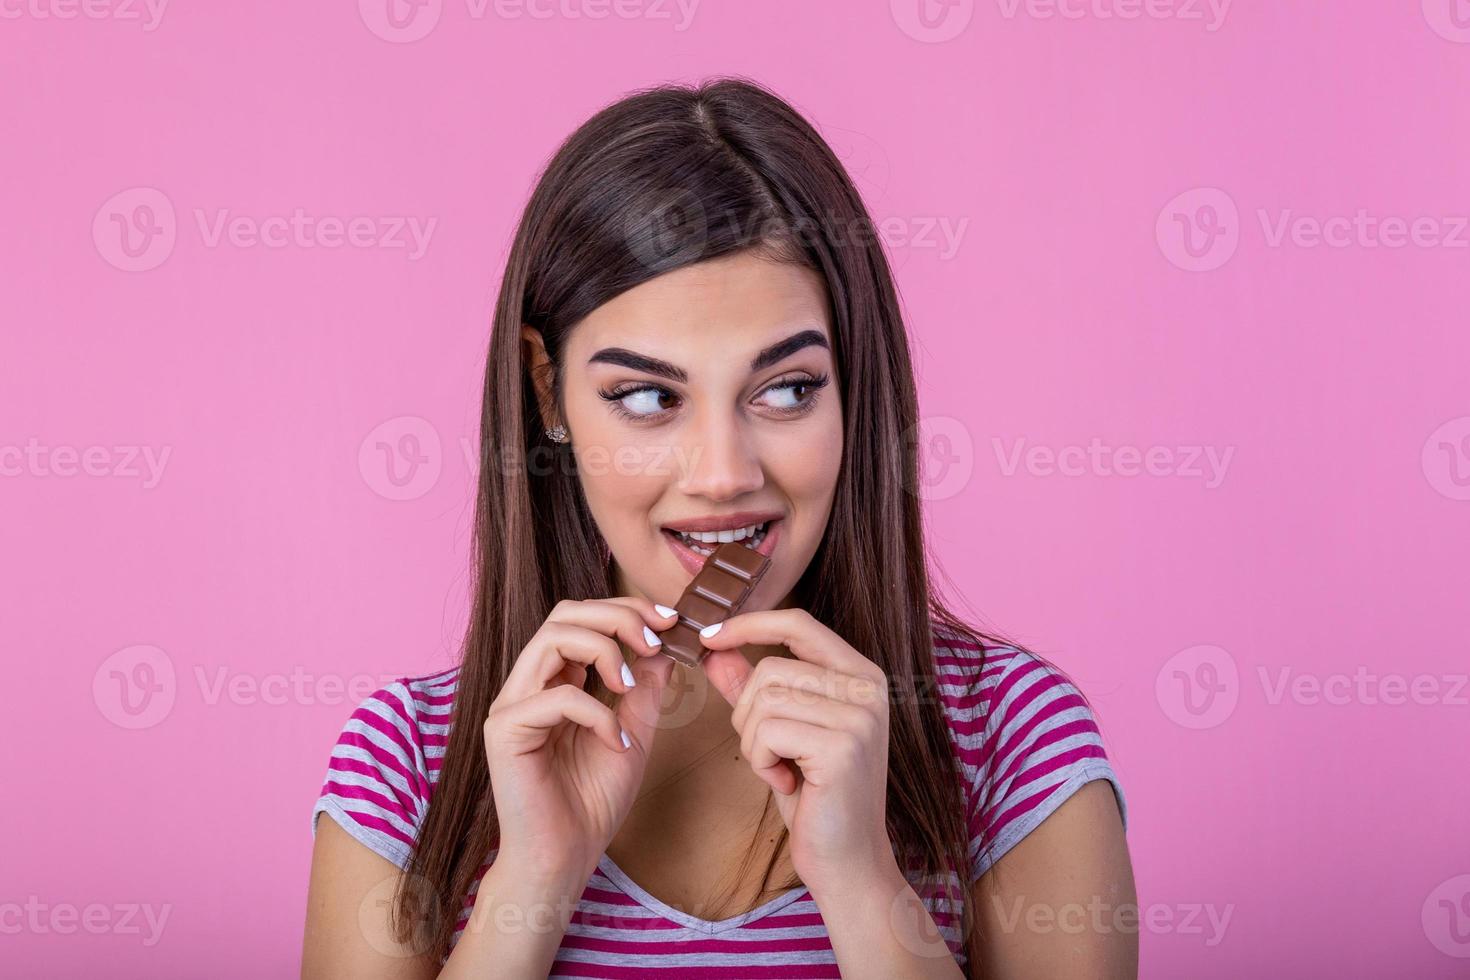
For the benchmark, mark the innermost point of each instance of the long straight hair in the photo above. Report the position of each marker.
(661, 179)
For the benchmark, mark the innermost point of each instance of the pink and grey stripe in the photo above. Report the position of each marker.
(1025, 740)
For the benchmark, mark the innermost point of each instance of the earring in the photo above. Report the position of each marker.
(557, 433)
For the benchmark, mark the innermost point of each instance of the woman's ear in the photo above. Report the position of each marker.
(543, 374)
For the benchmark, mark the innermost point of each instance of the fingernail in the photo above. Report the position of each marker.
(628, 676)
(627, 742)
(651, 638)
(665, 611)
(710, 630)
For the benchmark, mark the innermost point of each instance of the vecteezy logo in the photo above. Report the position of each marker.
(668, 231)
(1446, 917)
(913, 924)
(864, 158)
(680, 702)
(400, 21)
(421, 906)
(1199, 230)
(135, 229)
(135, 687)
(946, 455)
(1198, 687)
(1446, 459)
(1450, 19)
(401, 458)
(932, 21)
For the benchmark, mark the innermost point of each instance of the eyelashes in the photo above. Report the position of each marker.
(616, 397)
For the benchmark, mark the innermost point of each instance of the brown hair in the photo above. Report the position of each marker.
(661, 179)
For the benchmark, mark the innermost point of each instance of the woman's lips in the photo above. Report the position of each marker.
(693, 561)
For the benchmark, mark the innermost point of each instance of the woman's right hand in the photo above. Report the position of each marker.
(560, 773)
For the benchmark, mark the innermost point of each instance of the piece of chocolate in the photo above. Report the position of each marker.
(722, 586)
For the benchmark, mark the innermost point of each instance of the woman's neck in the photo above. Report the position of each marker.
(703, 828)
(701, 813)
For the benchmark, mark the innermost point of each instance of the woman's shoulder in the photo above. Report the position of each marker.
(433, 690)
(1025, 737)
(385, 763)
(979, 677)
(970, 667)
(413, 712)
(428, 701)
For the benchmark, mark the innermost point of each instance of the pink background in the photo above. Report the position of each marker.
(271, 545)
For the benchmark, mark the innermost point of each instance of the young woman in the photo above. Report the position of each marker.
(697, 339)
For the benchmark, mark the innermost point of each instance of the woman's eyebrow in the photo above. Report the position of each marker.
(784, 349)
(641, 362)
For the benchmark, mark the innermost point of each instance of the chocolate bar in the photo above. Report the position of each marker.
(722, 586)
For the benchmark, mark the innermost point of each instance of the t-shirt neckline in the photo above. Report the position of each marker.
(636, 892)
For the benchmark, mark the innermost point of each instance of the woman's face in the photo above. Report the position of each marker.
(705, 401)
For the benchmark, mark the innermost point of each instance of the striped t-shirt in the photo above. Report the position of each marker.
(1024, 738)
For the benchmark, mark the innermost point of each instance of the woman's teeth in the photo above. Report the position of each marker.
(704, 542)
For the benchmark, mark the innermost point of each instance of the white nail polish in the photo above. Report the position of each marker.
(710, 630)
(651, 638)
(627, 742)
(628, 676)
(665, 610)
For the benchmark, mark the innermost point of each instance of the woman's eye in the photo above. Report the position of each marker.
(789, 398)
(645, 401)
(790, 395)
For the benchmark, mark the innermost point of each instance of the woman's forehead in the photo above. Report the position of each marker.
(740, 304)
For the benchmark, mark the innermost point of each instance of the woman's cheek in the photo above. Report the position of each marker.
(805, 464)
(817, 460)
(627, 475)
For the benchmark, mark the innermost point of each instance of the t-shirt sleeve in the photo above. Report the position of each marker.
(1040, 744)
(376, 787)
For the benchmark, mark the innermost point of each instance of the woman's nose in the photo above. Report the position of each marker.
(719, 463)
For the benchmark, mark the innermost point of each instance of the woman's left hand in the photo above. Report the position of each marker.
(827, 712)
